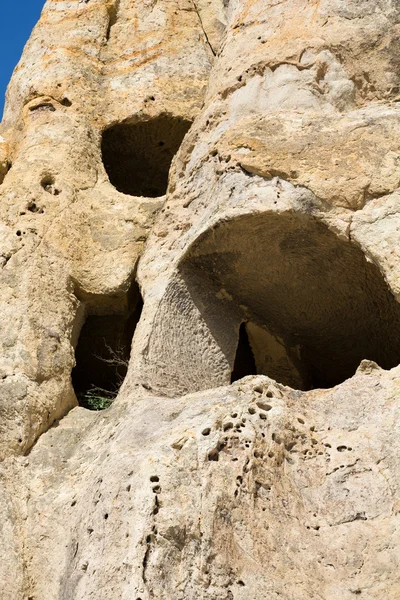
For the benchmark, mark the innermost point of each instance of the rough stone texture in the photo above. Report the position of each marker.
(3, 158)
(68, 233)
(281, 216)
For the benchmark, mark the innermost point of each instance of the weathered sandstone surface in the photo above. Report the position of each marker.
(208, 191)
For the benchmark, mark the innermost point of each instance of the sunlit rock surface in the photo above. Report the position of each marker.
(200, 229)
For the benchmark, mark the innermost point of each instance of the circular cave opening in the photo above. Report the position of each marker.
(283, 296)
(138, 156)
(103, 349)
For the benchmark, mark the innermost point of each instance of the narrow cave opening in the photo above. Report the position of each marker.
(307, 304)
(138, 156)
(103, 350)
(245, 363)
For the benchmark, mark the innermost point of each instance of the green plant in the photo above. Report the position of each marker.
(96, 399)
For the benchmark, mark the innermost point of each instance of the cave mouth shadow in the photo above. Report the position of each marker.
(103, 349)
(137, 156)
(283, 296)
(245, 363)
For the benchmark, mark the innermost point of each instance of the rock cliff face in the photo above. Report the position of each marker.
(200, 217)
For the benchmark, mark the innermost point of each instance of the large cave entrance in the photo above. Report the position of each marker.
(283, 296)
(137, 156)
(103, 349)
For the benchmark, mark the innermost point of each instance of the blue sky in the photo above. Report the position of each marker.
(17, 20)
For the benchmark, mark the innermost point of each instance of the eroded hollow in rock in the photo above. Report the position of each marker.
(137, 157)
(245, 363)
(103, 349)
(283, 296)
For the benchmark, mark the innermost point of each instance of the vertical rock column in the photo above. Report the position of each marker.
(69, 238)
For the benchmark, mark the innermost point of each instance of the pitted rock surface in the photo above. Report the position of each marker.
(199, 223)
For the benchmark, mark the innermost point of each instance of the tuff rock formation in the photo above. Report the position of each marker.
(200, 201)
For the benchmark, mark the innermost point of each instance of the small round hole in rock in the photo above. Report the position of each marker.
(137, 156)
(48, 183)
(213, 455)
(34, 208)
